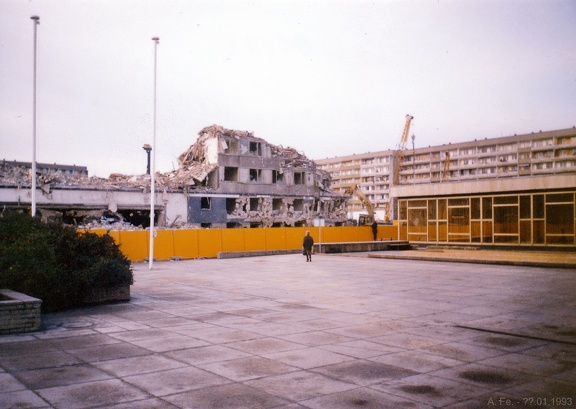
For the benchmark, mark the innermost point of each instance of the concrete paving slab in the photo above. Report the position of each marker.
(431, 390)
(9, 383)
(363, 372)
(307, 358)
(66, 375)
(91, 394)
(138, 365)
(362, 398)
(172, 381)
(22, 399)
(277, 332)
(300, 385)
(47, 359)
(229, 396)
(202, 355)
(243, 369)
(107, 352)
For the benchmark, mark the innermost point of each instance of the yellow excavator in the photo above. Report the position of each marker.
(363, 219)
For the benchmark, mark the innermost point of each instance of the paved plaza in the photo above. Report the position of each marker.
(277, 332)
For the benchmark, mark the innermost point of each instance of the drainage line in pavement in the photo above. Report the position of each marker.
(558, 341)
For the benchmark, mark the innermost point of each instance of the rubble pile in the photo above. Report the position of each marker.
(197, 152)
(195, 166)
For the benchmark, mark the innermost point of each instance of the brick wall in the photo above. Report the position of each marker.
(18, 313)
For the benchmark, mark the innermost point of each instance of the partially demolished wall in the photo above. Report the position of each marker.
(231, 179)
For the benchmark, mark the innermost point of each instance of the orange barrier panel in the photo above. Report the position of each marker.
(275, 238)
(186, 243)
(294, 237)
(233, 240)
(255, 239)
(364, 233)
(331, 234)
(348, 234)
(209, 242)
(164, 244)
(134, 244)
(314, 232)
(115, 235)
(387, 232)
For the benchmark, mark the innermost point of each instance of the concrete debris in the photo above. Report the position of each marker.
(195, 164)
(198, 172)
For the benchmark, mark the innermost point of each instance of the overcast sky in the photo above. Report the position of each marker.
(328, 78)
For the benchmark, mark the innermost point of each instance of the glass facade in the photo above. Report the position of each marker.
(508, 219)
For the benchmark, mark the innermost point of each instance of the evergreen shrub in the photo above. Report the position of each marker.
(56, 263)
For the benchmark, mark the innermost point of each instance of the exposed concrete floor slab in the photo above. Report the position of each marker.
(340, 332)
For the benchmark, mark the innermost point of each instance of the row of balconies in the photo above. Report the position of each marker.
(454, 164)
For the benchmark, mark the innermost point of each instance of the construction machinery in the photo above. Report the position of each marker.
(399, 156)
(446, 169)
(363, 219)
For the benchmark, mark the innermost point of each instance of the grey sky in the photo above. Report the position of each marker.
(328, 78)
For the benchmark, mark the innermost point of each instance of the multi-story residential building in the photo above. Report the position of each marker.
(372, 172)
(537, 167)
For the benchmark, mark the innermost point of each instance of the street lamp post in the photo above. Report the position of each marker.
(153, 170)
(36, 20)
(148, 149)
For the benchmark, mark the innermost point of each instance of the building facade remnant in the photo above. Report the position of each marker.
(238, 180)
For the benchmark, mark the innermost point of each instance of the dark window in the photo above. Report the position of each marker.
(277, 176)
(538, 206)
(231, 174)
(231, 147)
(230, 205)
(255, 175)
(255, 148)
(277, 204)
(298, 178)
(525, 210)
(205, 203)
(298, 205)
(486, 207)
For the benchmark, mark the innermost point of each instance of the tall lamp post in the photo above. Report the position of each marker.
(36, 20)
(148, 149)
(153, 170)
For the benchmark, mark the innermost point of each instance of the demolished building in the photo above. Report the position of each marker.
(227, 178)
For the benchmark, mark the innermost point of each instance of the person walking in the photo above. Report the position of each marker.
(307, 244)
(375, 230)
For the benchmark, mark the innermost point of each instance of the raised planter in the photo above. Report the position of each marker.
(18, 312)
(108, 294)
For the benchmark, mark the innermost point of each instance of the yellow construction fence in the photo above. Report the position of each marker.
(207, 243)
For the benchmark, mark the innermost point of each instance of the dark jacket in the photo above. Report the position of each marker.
(308, 242)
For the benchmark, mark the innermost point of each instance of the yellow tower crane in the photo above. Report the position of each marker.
(399, 157)
(446, 169)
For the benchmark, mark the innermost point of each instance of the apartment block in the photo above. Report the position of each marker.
(512, 176)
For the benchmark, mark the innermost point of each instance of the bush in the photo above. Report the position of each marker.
(55, 263)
